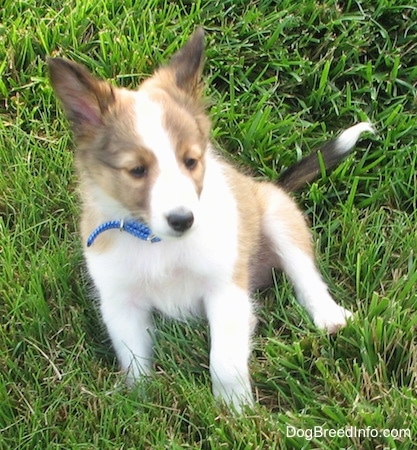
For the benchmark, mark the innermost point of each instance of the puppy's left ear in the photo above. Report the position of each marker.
(86, 100)
(187, 64)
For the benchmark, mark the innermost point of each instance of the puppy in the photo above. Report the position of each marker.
(168, 225)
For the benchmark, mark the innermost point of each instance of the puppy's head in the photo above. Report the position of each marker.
(141, 152)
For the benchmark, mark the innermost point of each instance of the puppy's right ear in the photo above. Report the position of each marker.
(187, 64)
(85, 99)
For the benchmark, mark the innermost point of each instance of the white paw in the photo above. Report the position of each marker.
(137, 373)
(235, 396)
(332, 318)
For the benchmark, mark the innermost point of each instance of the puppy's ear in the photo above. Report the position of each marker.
(187, 64)
(85, 99)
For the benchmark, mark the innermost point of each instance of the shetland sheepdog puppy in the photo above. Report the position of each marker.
(169, 226)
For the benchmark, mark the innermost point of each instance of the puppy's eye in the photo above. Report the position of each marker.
(190, 163)
(138, 172)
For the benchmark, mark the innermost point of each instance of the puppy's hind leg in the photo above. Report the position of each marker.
(287, 233)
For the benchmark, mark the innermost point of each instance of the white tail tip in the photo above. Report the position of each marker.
(347, 140)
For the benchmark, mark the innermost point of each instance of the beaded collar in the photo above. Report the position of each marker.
(132, 227)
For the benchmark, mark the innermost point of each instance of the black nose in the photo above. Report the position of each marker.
(180, 219)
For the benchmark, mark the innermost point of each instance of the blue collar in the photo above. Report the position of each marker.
(133, 227)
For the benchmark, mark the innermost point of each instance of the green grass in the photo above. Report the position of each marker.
(281, 78)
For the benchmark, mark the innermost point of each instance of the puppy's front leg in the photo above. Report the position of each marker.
(229, 312)
(129, 328)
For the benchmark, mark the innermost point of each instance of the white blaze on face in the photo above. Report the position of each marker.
(172, 191)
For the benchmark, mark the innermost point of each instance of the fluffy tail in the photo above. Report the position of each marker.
(332, 153)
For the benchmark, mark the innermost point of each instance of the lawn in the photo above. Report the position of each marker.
(281, 78)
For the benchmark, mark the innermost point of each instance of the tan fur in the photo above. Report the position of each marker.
(256, 258)
(244, 189)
